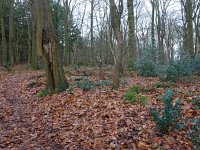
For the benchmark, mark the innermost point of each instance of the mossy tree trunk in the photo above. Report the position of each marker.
(132, 48)
(189, 45)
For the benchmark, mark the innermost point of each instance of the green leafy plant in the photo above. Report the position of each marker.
(175, 69)
(43, 93)
(142, 99)
(196, 102)
(131, 97)
(135, 89)
(145, 64)
(104, 83)
(86, 85)
(131, 93)
(171, 113)
(194, 132)
(70, 88)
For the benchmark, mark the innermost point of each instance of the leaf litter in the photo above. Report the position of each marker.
(95, 119)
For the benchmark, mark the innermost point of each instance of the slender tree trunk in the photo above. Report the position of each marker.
(29, 42)
(66, 35)
(189, 28)
(91, 30)
(34, 60)
(115, 23)
(3, 40)
(132, 48)
(11, 35)
(159, 28)
(17, 49)
(152, 24)
(48, 48)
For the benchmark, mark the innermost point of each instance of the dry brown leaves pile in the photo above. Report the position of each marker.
(97, 119)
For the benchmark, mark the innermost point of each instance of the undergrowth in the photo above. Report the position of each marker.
(42, 93)
(171, 114)
(133, 94)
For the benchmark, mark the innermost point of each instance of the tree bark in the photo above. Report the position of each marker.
(66, 35)
(48, 48)
(132, 48)
(34, 60)
(152, 24)
(3, 41)
(115, 23)
(91, 30)
(189, 43)
(11, 35)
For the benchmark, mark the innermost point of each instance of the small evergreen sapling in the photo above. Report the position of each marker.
(171, 113)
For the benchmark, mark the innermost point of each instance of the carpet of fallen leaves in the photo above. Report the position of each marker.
(96, 119)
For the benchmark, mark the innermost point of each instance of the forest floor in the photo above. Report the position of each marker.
(96, 119)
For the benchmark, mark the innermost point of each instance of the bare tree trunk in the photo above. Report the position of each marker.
(3, 40)
(132, 48)
(91, 29)
(152, 24)
(66, 36)
(48, 48)
(11, 36)
(189, 43)
(29, 42)
(34, 60)
(115, 23)
(196, 20)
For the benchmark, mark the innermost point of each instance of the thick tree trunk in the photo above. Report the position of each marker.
(48, 48)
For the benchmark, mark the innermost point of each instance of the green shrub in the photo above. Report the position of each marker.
(135, 89)
(194, 132)
(43, 93)
(196, 102)
(132, 94)
(104, 83)
(131, 97)
(146, 64)
(174, 69)
(171, 114)
(177, 69)
(86, 85)
(70, 88)
(146, 68)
